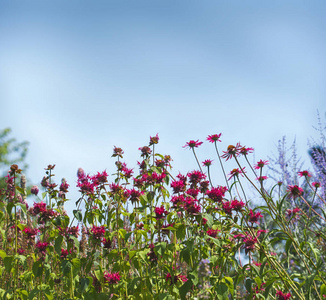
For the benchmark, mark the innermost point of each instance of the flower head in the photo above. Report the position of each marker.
(282, 296)
(304, 174)
(245, 151)
(192, 144)
(207, 162)
(111, 278)
(153, 140)
(232, 151)
(34, 190)
(294, 191)
(117, 152)
(236, 173)
(261, 164)
(316, 184)
(254, 217)
(214, 138)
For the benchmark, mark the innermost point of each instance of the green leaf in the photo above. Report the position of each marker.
(66, 267)
(84, 284)
(57, 244)
(323, 290)
(37, 268)
(160, 248)
(209, 219)
(8, 263)
(222, 291)
(184, 289)
(78, 215)
(2, 254)
(288, 245)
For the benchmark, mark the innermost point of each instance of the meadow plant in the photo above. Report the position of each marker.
(156, 235)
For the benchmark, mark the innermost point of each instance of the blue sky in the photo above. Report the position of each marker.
(78, 77)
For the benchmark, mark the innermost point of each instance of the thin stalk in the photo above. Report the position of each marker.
(193, 150)
(218, 155)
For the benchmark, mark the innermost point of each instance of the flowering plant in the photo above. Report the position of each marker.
(159, 236)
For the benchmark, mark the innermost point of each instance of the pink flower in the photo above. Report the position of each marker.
(316, 184)
(207, 162)
(261, 164)
(111, 278)
(106, 243)
(254, 217)
(34, 190)
(304, 174)
(134, 195)
(261, 178)
(64, 253)
(214, 138)
(160, 212)
(217, 194)
(98, 232)
(195, 177)
(281, 296)
(236, 173)
(294, 191)
(64, 186)
(192, 144)
(41, 247)
(232, 151)
(227, 207)
(145, 151)
(212, 232)
(178, 186)
(245, 151)
(237, 205)
(176, 278)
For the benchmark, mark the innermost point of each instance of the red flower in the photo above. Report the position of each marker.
(261, 164)
(192, 144)
(212, 232)
(160, 212)
(281, 296)
(195, 177)
(98, 232)
(111, 278)
(216, 194)
(214, 138)
(254, 217)
(227, 207)
(178, 186)
(237, 205)
(304, 174)
(294, 191)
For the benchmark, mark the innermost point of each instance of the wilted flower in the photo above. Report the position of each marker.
(34, 190)
(153, 140)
